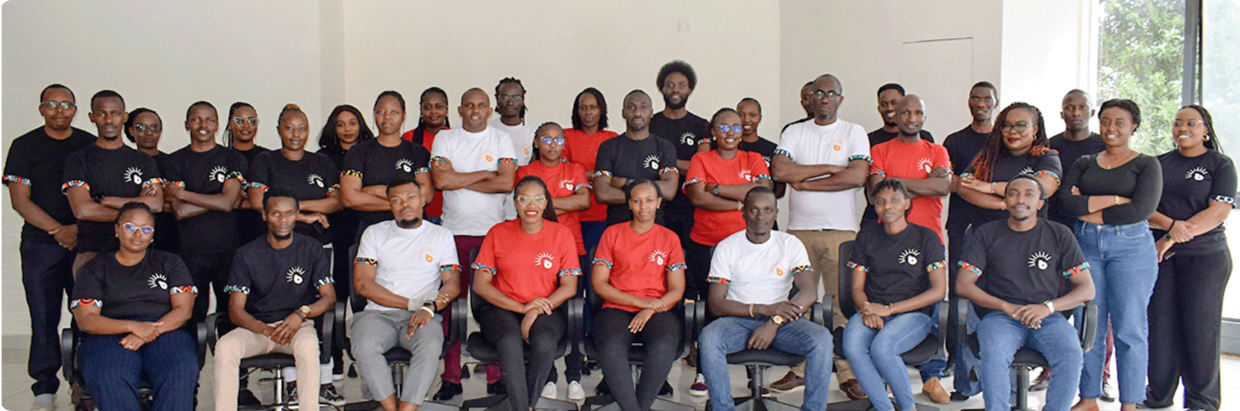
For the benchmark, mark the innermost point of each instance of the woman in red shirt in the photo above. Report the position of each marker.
(639, 271)
(581, 147)
(432, 118)
(526, 270)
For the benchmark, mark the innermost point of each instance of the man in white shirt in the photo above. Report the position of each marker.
(751, 276)
(510, 105)
(475, 166)
(408, 271)
(825, 162)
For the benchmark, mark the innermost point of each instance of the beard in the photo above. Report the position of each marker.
(667, 100)
(409, 223)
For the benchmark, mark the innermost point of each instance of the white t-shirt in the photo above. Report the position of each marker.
(835, 144)
(522, 136)
(408, 261)
(758, 273)
(465, 211)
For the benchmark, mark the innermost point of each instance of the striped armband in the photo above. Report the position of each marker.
(259, 185)
(717, 280)
(476, 266)
(692, 181)
(183, 289)
(167, 183)
(602, 173)
(450, 267)
(354, 173)
(333, 188)
(421, 170)
(762, 176)
(88, 302)
(160, 181)
(579, 186)
(570, 272)
(972, 268)
(324, 281)
(237, 289)
(1041, 173)
(74, 183)
(861, 157)
(800, 268)
(1225, 199)
(674, 267)
(237, 175)
(779, 151)
(505, 160)
(1076, 270)
(856, 266)
(878, 172)
(936, 265)
(598, 261)
(364, 260)
(666, 170)
(9, 178)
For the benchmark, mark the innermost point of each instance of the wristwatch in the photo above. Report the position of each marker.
(715, 190)
(778, 320)
(304, 311)
(1050, 305)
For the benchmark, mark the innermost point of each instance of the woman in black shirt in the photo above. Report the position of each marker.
(130, 305)
(899, 272)
(1113, 193)
(144, 128)
(311, 178)
(1187, 306)
(1017, 145)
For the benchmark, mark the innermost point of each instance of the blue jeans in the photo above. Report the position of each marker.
(47, 277)
(1001, 336)
(964, 361)
(1124, 266)
(875, 356)
(112, 372)
(727, 335)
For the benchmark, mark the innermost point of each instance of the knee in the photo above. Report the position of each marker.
(365, 346)
(711, 339)
(227, 351)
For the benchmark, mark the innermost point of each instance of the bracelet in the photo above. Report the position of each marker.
(740, 205)
(751, 309)
(992, 187)
(1117, 200)
(429, 310)
(1172, 226)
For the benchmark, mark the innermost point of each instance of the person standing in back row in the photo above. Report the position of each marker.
(688, 132)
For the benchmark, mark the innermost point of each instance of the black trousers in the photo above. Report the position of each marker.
(1185, 315)
(697, 262)
(955, 251)
(47, 278)
(660, 336)
(503, 329)
(210, 272)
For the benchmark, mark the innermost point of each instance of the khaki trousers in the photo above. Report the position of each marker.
(242, 343)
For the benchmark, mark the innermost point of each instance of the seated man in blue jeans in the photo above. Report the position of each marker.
(751, 276)
(1024, 260)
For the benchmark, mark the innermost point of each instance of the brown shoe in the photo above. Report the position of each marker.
(1043, 381)
(789, 382)
(934, 389)
(853, 390)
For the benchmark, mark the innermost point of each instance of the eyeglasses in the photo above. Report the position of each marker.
(559, 141)
(1020, 127)
(142, 128)
(735, 128)
(243, 121)
(829, 95)
(539, 199)
(131, 228)
(1190, 123)
(510, 97)
(63, 105)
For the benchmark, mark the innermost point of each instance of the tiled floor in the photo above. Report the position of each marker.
(17, 396)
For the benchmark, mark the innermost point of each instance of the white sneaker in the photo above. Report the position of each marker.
(575, 392)
(549, 391)
(698, 389)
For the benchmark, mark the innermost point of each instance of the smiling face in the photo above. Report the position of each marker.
(1189, 129)
(891, 205)
(146, 130)
(887, 101)
(434, 110)
(294, 130)
(588, 110)
(1116, 126)
(57, 118)
(1023, 199)
(730, 139)
(982, 103)
(910, 115)
(552, 149)
(531, 200)
(108, 114)
(139, 221)
(347, 127)
(1019, 129)
(644, 202)
(474, 110)
(751, 116)
(243, 124)
(675, 89)
(202, 123)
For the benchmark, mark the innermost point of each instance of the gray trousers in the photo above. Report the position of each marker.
(376, 332)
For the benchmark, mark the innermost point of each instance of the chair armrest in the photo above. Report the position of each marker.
(329, 332)
(943, 307)
(576, 323)
(1089, 326)
(68, 348)
(200, 337)
(213, 325)
(821, 314)
(341, 338)
(458, 322)
(689, 333)
(961, 322)
(700, 317)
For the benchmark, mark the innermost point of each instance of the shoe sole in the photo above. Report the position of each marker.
(782, 390)
(698, 393)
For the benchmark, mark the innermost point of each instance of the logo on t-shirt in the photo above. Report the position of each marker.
(404, 165)
(218, 174)
(1197, 174)
(768, 161)
(688, 139)
(488, 156)
(926, 165)
(133, 174)
(527, 151)
(427, 255)
(544, 260)
(778, 269)
(651, 162)
(1040, 259)
(658, 257)
(567, 184)
(1026, 170)
(909, 256)
(157, 280)
(295, 275)
(746, 174)
(837, 145)
(315, 180)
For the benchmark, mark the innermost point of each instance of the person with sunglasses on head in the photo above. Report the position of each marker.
(144, 128)
(240, 129)
(32, 172)
(1186, 309)
(130, 305)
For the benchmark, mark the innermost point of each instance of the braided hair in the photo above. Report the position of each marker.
(994, 149)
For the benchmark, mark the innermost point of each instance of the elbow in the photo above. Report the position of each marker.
(348, 199)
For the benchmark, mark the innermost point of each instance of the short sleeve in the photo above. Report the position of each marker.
(878, 164)
(171, 170)
(239, 167)
(17, 164)
(322, 266)
(148, 163)
(859, 145)
(368, 247)
(974, 257)
(75, 172)
(88, 288)
(1224, 188)
(721, 264)
(239, 278)
(354, 162)
(667, 157)
(796, 255)
(447, 249)
(421, 158)
(260, 171)
(440, 149)
(1073, 260)
(1048, 164)
(566, 245)
(604, 253)
(331, 175)
(786, 146)
(697, 172)
(860, 258)
(760, 169)
(968, 170)
(941, 158)
(933, 248)
(179, 279)
(506, 152)
(604, 162)
(486, 254)
(577, 174)
(676, 257)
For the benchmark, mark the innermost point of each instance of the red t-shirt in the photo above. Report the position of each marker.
(528, 266)
(915, 161)
(435, 207)
(711, 227)
(563, 180)
(582, 148)
(639, 262)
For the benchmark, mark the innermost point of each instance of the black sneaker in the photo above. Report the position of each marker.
(290, 396)
(666, 390)
(958, 396)
(447, 391)
(497, 388)
(602, 389)
(328, 394)
(245, 397)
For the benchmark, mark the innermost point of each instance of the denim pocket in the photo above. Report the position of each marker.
(1135, 231)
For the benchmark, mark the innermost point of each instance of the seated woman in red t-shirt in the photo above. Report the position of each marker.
(639, 271)
(526, 270)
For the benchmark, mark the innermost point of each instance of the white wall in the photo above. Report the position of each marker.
(1049, 48)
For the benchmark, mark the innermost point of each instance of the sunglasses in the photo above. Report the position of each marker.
(523, 200)
(735, 128)
(63, 105)
(559, 141)
(242, 121)
(131, 228)
(142, 128)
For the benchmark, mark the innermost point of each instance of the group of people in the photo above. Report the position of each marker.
(676, 209)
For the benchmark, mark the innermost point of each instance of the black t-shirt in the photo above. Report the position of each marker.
(121, 172)
(167, 234)
(1140, 180)
(141, 292)
(624, 157)
(881, 136)
(278, 282)
(1008, 167)
(1190, 184)
(782, 130)
(38, 160)
(344, 222)
(1022, 267)
(250, 223)
(377, 165)
(314, 177)
(897, 266)
(211, 232)
(962, 146)
(686, 134)
(1069, 151)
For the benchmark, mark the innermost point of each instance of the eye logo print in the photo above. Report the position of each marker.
(296, 275)
(746, 174)
(909, 256)
(651, 162)
(315, 180)
(404, 165)
(1026, 170)
(157, 280)
(1197, 174)
(687, 139)
(658, 257)
(925, 164)
(1040, 259)
(544, 260)
(567, 184)
(218, 174)
(134, 175)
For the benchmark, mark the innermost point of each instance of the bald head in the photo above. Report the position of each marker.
(474, 110)
(827, 94)
(637, 111)
(910, 116)
(474, 92)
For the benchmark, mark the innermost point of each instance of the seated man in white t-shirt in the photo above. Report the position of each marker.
(408, 271)
(751, 276)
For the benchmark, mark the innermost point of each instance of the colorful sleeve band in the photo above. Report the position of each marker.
(972, 268)
(861, 157)
(856, 266)
(762, 176)
(74, 183)
(1076, 270)
(363, 260)
(1047, 172)
(505, 160)
(598, 261)
(9, 178)
(693, 181)
(258, 184)
(1222, 198)
(450, 267)
(801, 268)
(717, 280)
(237, 175)
(602, 173)
(666, 170)
(421, 170)
(155, 180)
(325, 281)
(183, 289)
(677, 266)
(936, 265)
(570, 271)
(779, 151)
(333, 188)
(880, 173)
(354, 173)
(85, 302)
(237, 289)
(483, 267)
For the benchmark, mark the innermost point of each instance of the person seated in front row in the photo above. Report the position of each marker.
(1012, 271)
(525, 271)
(272, 298)
(751, 275)
(899, 272)
(639, 272)
(408, 271)
(148, 294)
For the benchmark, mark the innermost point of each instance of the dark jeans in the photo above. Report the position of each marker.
(47, 277)
(660, 336)
(467, 248)
(575, 361)
(1185, 313)
(697, 263)
(210, 272)
(503, 329)
(112, 372)
(964, 361)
